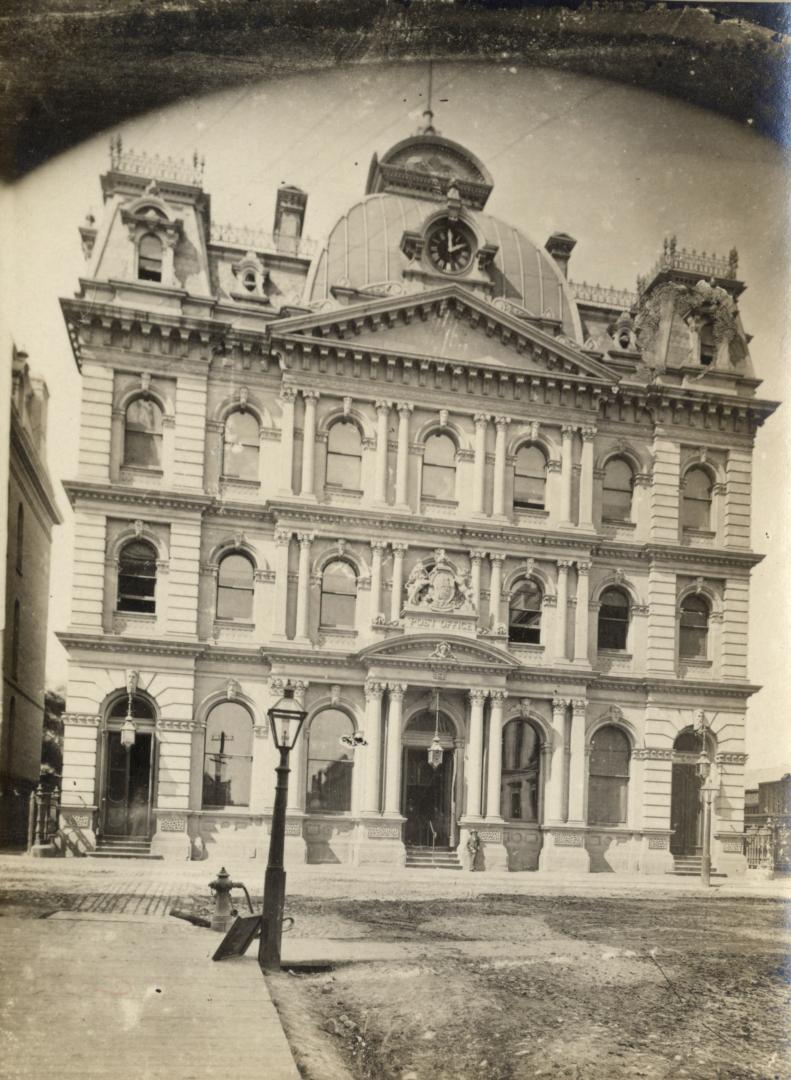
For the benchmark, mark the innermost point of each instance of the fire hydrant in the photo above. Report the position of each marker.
(224, 912)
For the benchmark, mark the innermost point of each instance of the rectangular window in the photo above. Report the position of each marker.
(242, 464)
(696, 514)
(692, 642)
(343, 470)
(337, 610)
(142, 449)
(529, 492)
(329, 785)
(439, 482)
(616, 505)
(226, 779)
(234, 603)
(607, 800)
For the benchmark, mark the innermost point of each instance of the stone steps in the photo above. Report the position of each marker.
(123, 847)
(689, 866)
(432, 858)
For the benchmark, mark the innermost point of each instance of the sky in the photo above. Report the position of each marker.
(616, 167)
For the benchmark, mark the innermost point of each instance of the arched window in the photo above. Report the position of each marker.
(143, 434)
(137, 577)
(329, 787)
(15, 640)
(439, 467)
(524, 614)
(530, 478)
(235, 588)
(338, 594)
(242, 445)
(708, 346)
(141, 707)
(344, 455)
(608, 788)
(20, 536)
(613, 619)
(693, 632)
(228, 756)
(149, 258)
(519, 783)
(617, 490)
(696, 500)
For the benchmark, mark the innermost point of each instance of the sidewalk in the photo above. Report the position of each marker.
(99, 996)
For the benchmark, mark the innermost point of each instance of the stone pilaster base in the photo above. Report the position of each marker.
(655, 855)
(77, 829)
(492, 852)
(564, 850)
(379, 842)
(171, 840)
(295, 850)
(43, 851)
(727, 854)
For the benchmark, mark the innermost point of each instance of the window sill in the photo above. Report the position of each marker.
(692, 662)
(615, 654)
(334, 815)
(141, 470)
(338, 631)
(136, 616)
(432, 500)
(528, 646)
(241, 481)
(240, 811)
(530, 512)
(697, 534)
(233, 624)
(619, 523)
(339, 489)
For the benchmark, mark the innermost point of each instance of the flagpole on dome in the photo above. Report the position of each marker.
(428, 114)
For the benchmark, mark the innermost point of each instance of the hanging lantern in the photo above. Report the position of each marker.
(435, 751)
(128, 729)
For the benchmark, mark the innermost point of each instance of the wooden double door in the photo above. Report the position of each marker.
(128, 786)
(685, 810)
(427, 799)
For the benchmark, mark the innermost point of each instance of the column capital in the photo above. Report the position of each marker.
(383, 406)
(306, 539)
(311, 395)
(478, 696)
(378, 545)
(502, 421)
(588, 432)
(481, 419)
(564, 565)
(578, 706)
(583, 567)
(499, 697)
(397, 690)
(399, 549)
(373, 690)
(476, 555)
(282, 537)
(497, 557)
(405, 408)
(567, 431)
(559, 707)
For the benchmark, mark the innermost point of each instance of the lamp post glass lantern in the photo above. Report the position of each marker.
(286, 719)
(128, 729)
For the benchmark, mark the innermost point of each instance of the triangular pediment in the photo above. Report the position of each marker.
(433, 651)
(447, 324)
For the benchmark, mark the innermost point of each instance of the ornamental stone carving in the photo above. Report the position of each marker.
(441, 588)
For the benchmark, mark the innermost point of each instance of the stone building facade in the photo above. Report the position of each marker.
(450, 497)
(32, 513)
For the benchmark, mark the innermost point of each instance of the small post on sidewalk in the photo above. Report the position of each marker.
(286, 719)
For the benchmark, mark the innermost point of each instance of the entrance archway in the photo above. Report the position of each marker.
(686, 819)
(428, 797)
(128, 787)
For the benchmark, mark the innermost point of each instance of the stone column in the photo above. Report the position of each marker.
(586, 478)
(303, 584)
(553, 790)
(481, 424)
(393, 749)
(562, 609)
(309, 441)
(566, 473)
(578, 765)
(498, 500)
(495, 587)
(382, 415)
(475, 757)
(402, 458)
(475, 580)
(495, 756)
(287, 396)
(377, 551)
(373, 734)
(282, 543)
(397, 587)
(582, 613)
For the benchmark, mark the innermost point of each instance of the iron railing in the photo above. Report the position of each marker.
(43, 816)
(768, 846)
(260, 240)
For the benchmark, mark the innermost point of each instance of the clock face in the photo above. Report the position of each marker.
(449, 248)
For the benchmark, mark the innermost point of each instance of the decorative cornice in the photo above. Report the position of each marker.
(147, 497)
(82, 719)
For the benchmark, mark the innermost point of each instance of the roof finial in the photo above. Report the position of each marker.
(428, 115)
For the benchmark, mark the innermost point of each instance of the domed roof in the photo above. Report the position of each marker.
(364, 250)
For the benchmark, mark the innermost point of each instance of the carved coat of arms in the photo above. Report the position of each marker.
(438, 588)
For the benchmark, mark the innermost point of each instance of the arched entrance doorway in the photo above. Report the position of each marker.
(128, 780)
(428, 798)
(686, 819)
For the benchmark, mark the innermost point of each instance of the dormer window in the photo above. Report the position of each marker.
(149, 258)
(249, 280)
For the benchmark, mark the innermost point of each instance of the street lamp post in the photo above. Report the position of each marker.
(708, 790)
(286, 719)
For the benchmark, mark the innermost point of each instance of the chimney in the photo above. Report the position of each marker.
(289, 217)
(560, 246)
